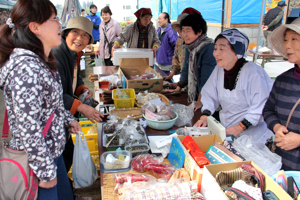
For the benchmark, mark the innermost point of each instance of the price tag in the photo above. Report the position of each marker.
(121, 158)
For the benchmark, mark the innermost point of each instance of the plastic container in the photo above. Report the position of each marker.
(161, 125)
(115, 166)
(137, 152)
(294, 174)
(124, 103)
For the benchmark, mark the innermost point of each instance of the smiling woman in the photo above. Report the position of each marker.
(75, 37)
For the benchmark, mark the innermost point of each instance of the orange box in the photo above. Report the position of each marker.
(190, 164)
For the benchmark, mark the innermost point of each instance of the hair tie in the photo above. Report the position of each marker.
(10, 24)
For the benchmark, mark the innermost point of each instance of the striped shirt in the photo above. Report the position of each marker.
(284, 94)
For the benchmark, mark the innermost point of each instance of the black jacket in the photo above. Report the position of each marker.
(66, 60)
(270, 16)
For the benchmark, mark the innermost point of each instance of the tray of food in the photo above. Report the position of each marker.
(130, 113)
(142, 98)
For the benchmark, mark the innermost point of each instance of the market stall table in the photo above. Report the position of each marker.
(107, 184)
(266, 57)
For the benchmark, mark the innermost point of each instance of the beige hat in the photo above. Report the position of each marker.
(277, 36)
(179, 18)
(81, 23)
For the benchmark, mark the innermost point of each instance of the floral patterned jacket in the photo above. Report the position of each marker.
(179, 55)
(32, 92)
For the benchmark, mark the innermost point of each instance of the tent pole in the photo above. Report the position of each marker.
(222, 23)
(259, 31)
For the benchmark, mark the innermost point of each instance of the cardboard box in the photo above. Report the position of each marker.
(190, 164)
(211, 190)
(133, 53)
(138, 66)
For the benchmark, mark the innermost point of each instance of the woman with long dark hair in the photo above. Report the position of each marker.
(33, 92)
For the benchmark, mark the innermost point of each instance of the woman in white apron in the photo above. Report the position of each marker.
(240, 87)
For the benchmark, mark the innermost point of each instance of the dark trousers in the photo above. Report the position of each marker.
(108, 62)
(62, 190)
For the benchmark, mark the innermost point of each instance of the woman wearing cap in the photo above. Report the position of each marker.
(199, 61)
(285, 93)
(33, 93)
(179, 54)
(75, 37)
(110, 29)
(141, 33)
(240, 87)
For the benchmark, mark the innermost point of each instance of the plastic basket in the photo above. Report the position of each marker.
(91, 140)
(124, 103)
(86, 126)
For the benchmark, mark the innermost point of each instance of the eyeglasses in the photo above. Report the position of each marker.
(186, 32)
(76, 33)
(56, 18)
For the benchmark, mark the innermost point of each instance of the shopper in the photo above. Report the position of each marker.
(199, 60)
(239, 87)
(110, 29)
(32, 91)
(271, 20)
(285, 93)
(168, 38)
(75, 37)
(141, 33)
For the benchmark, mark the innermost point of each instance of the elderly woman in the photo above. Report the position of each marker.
(110, 29)
(75, 37)
(141, 33)
(285, 93)
(199, 61)
(240, 87)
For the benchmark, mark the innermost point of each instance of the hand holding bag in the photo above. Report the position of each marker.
(84, 171)
(17, 179)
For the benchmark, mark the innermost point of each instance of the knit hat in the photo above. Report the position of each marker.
(142, 11)
(277, 36)
(238, 40)
(190, 10)
(81, 23)
(179, 18)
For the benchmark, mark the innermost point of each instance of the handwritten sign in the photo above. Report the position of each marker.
(150, 115)
(176, 155)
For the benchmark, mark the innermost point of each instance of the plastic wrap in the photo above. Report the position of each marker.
(111, 123)
(185, 114)
(160, 170)
(163, 118)
(89, 101)
(127, 177)
(148, 105)
(142, 98)
(182, 131)
(166, 110)
(259, 153)
(133, 136)
(140, 161)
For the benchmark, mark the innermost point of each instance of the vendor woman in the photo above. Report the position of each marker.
(240, 87)
(140, 34)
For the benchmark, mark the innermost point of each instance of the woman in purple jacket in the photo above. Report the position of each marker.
(168, 38)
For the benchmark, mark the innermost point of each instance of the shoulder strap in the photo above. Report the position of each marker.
(105, 36)
(6, 125)
(291, 113)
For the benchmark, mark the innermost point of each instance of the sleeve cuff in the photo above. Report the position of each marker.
(246, 123)
(117, 43)
(206, 112)
(75, 105)
(155, 46)
(79, 89)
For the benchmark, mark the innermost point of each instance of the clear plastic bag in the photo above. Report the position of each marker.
(90, 101)
(259, 153)
(185, 114)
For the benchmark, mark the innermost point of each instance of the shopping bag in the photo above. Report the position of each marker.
(84, 171)
(98, 61)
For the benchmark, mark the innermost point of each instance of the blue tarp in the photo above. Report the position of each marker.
(242, 11)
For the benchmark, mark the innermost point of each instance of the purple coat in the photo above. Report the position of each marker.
(166, 50)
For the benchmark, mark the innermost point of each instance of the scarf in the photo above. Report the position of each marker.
(194, 49)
